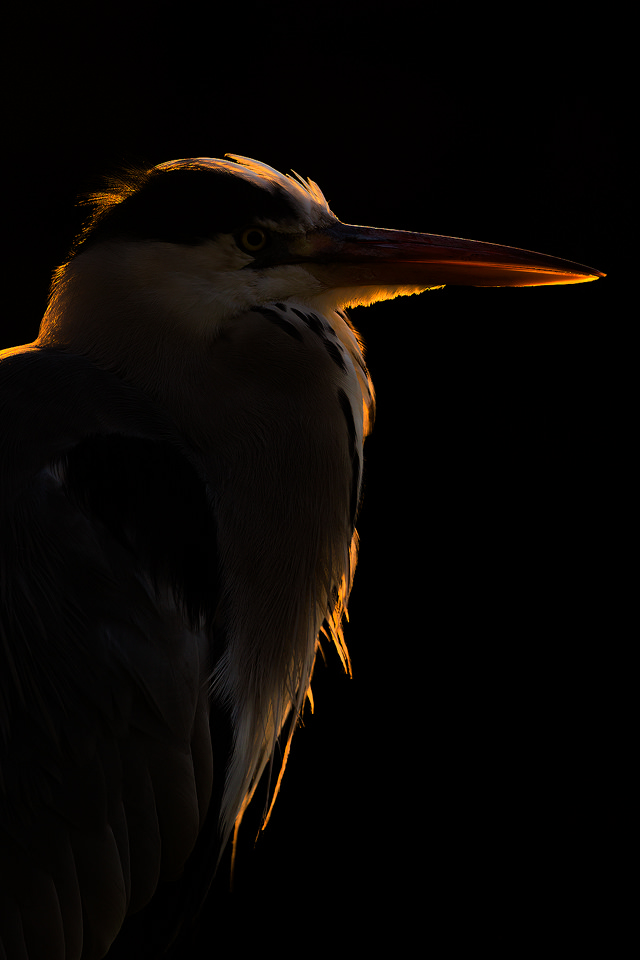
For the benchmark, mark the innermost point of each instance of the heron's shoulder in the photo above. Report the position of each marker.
(42, 383)
(53, 400)
(85, 455)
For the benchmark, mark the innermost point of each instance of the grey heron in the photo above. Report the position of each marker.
(182, 454)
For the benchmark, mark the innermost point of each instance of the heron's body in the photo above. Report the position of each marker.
(182, 461)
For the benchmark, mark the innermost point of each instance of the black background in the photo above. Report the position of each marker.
(465, 789)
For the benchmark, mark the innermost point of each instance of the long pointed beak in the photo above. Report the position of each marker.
(356, 255)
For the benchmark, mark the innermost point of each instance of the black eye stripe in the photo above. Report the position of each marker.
(187, 206)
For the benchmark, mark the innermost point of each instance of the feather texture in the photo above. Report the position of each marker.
(106, 755)
(154, 580)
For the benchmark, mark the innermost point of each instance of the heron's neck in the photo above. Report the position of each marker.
(103, 306)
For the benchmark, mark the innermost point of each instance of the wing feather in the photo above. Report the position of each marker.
(107, 598)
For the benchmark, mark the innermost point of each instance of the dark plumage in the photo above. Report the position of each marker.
(180, 467)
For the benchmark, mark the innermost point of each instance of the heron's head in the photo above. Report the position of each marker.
(184, 247)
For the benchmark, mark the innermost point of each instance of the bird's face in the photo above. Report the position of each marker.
(198, 242)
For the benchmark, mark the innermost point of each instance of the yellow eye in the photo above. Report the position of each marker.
(253, 239)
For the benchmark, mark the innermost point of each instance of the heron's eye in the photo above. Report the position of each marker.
(253, 239)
